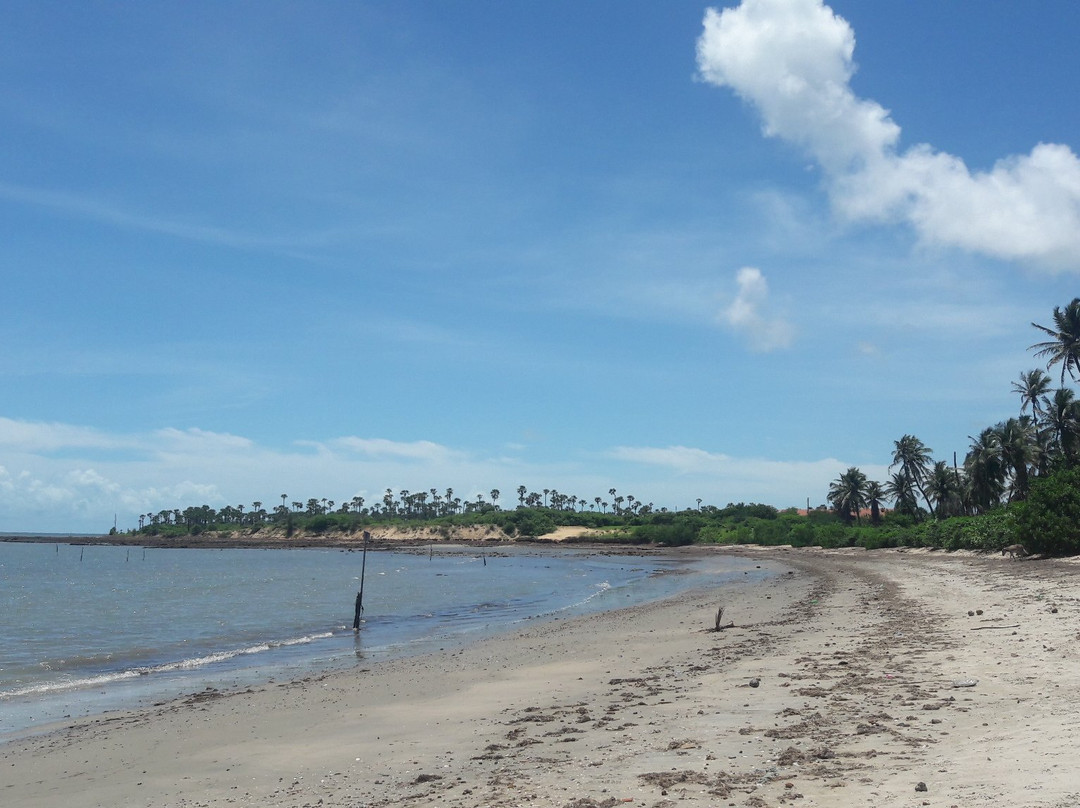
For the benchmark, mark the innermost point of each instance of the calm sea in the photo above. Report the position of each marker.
(86, 629)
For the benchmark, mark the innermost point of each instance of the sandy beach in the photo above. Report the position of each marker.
(854, 678)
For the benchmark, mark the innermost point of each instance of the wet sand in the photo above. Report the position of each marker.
(854, 678)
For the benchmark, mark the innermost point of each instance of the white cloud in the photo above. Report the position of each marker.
(40, 436)
(746, 314)
(793, 60)
(380, 448)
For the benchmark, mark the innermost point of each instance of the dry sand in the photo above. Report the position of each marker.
(883, 679)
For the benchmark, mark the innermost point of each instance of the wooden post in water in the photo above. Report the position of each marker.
(360, 595)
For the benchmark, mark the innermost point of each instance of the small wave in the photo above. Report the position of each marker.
(601, 588)
(97, 680)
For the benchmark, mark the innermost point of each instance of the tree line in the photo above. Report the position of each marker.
(1004, 461)
(1019, 482)
(403, 505)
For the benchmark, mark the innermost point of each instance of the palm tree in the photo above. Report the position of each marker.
(848, 494)
(914, 459)
(902, 493)
(1018, 451)
(1033, 385)
(1064, 343)
(874, 496)
(985, 469)
(1063, 421)
(943, 487)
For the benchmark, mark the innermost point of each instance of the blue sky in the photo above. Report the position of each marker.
(324, 249)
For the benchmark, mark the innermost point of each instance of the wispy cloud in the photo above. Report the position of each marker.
(381, 449)
(748, 315)
(41, 436)
(107, 212)
(793, 60)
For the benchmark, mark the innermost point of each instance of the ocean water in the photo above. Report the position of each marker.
(87, 629)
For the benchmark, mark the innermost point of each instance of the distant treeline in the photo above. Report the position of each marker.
(1047, 522)
(1019, 484)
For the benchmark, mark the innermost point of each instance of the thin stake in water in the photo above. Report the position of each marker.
(360, 595)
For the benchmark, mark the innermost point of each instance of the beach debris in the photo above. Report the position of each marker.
(790, 756)
(719, 617)
(755, 682)
(921, 786)
(684, 743)
(965, 682)
(665, 780)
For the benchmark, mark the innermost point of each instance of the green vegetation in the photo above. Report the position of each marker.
(1019, 483)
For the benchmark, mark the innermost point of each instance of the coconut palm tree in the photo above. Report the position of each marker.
(875, 494)
(1063, 421)
(1063, 347)
(1019, 451)
(900, 490)
(847, 494)
(1032, 387)
(914, 459)
(986, 470)
(944, 489)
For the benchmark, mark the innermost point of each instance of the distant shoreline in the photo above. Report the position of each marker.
(381, 538)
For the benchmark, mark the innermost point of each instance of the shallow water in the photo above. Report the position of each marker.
(85, 629)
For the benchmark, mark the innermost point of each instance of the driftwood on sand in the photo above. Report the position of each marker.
(719, 617)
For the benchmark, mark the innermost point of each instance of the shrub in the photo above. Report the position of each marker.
(670, 535)
(1049, 520)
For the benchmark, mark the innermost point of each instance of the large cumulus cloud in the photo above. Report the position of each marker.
(792, 60)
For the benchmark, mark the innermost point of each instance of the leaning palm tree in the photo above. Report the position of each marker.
(914, 459)
(848, 494)
(1063, 347)
(1032, 387)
